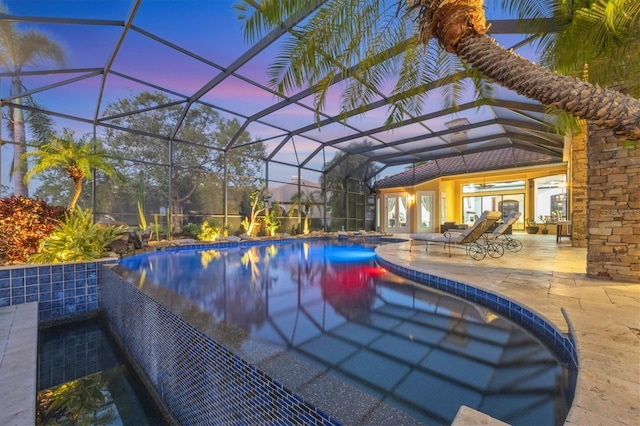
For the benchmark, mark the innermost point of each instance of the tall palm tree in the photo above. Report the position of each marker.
(20, 49)
(76, 158)
(371, 41)
(606, 32)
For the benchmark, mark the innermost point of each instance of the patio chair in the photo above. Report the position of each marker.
(467, 239)
(501, 239)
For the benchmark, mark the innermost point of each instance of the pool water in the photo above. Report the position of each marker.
(83, 380)
(415, 348)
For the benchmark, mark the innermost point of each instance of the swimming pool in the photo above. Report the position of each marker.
(417, 349)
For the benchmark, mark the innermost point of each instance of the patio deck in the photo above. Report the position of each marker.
(547, 276)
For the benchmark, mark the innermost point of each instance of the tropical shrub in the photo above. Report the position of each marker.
(24, 223)
(210, 230)
(191, 229)
(271, 221)
(76, 238)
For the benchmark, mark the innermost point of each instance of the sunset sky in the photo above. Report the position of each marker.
(210, 30)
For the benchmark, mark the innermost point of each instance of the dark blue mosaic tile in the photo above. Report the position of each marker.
(4, 274)
(31, 298)
(17, 273)
(4, 283)
(5, 292)
(44, 270)
(200, 381)
(5, 301)
(17, 300)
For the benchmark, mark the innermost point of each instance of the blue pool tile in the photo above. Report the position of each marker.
(44, 296)
(31, 272)
(5, 292)
(44, 270)
(31, 298)
(4, 301)
(5, 283)
(31, 289)
(17, 273)
(16, 300)
(4, 274)
(18, 291)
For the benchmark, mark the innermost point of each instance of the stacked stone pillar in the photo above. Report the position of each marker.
(579, 166)
(613, 215)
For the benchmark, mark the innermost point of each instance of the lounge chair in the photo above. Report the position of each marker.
(467, 239)
(499, 237)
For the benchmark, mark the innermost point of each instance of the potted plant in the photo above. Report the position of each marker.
(545, 223)
(532, 227)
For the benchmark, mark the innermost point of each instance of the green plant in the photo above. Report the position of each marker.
(142, 220)
(78, 158)
(76, 238)
(271, 221)
(545, 220)
(210, 230)
(24, 223)
(259, 203)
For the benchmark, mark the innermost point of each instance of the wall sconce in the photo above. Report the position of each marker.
(411, 198)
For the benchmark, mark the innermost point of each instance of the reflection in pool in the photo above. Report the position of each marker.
(418, 349)
(83, 380)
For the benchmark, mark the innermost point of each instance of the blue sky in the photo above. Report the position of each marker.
(208, 28)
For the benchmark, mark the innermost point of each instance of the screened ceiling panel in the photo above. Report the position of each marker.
(195, 53)
(231, 93)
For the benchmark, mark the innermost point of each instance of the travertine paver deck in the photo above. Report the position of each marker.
(18, 358)
(547, 276)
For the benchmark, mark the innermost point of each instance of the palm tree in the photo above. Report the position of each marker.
(366, 42)
(20, 49)
(308, 200)
(76, 158)
(606, 32)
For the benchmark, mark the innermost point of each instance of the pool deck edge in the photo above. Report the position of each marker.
(18, 358)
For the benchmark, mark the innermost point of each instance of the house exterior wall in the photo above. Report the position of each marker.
(451, 186)
(613, 222)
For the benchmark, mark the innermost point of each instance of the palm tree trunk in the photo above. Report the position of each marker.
(20, 144)
(602, 107)
(77, 190)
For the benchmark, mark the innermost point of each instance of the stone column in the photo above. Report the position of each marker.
(613, 216)
(579, 166)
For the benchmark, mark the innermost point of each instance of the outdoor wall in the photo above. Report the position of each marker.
(60, 290)
(579, 166)
(613, 246)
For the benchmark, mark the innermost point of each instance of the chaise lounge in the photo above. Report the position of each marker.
(466, 239)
